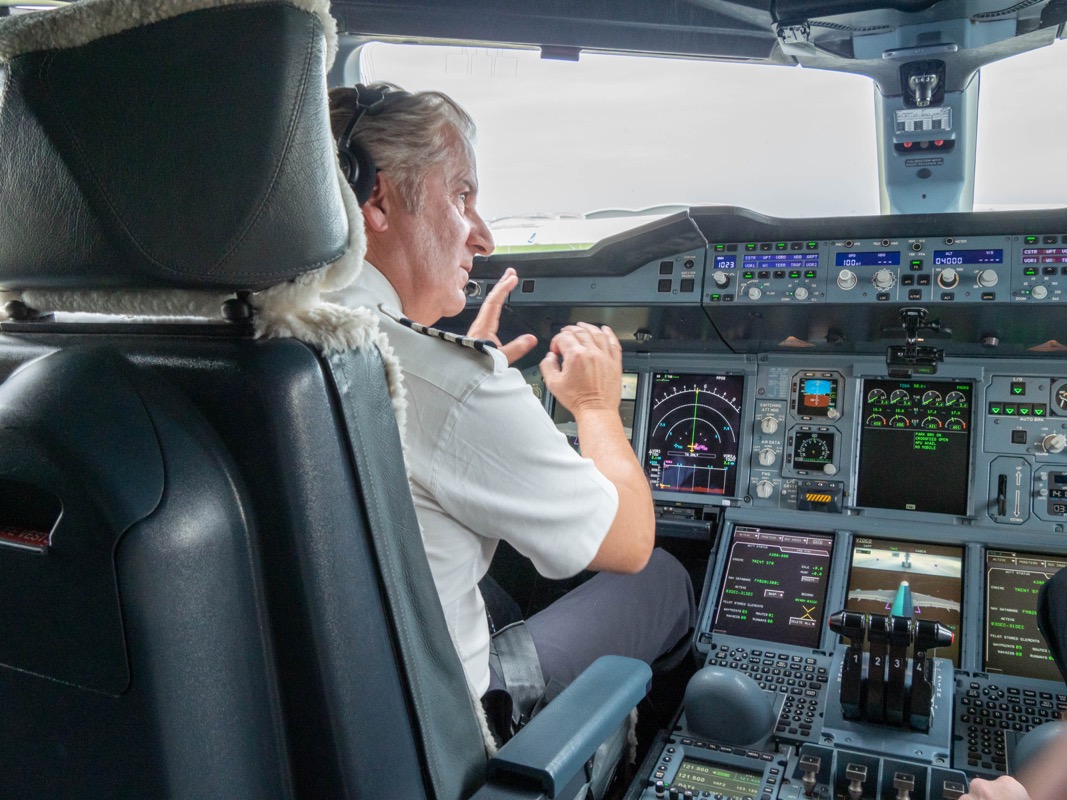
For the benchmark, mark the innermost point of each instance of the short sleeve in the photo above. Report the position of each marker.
(503, 470)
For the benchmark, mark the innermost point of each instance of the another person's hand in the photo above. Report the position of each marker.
(590, 376)
(487, 322)
(1003, 788)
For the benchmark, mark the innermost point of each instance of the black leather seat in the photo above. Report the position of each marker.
(211, 577)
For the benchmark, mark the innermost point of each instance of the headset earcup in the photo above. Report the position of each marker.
(358, 168)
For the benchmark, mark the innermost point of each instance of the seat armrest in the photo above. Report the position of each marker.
(550, 750)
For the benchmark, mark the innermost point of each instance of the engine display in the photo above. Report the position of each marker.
(693, 433)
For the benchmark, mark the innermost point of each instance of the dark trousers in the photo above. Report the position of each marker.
(648, 616)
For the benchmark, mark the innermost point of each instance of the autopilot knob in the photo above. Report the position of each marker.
(1054, 443)
(727, 706)
(883, 279)
(847, 279)
(948, 278)
(721, 279)
(988, 278)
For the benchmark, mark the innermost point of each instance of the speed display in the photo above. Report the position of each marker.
(692, 433)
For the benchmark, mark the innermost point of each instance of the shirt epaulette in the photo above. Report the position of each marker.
(481, 345)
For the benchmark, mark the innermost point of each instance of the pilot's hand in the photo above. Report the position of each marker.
(487, 322)
(1003, 788)
(590, 376)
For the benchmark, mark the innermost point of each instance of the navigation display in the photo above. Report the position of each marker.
(775, 586)
(566, 425)
(1013, 643)
(717, 780)
(915, 446)
(932, 574)
(692, 433)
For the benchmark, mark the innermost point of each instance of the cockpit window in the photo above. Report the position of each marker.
(1020, 132)
(572, 152)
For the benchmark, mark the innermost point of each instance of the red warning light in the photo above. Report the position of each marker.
(939, 142)
(907, 145)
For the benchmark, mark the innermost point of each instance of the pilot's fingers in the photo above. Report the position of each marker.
(518, 347)
(488, 319)
(1003, 788)
(550, 369)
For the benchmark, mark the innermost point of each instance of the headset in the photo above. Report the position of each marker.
(357, 165)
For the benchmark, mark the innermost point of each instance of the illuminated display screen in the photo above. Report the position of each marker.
(934, 574)
(816, 394)
(725, 262)
(1013, 643)
(813, 450)
(953, 258)
(693, 433)
(1045, 255)
(720, 781)
(780, 260)
(564, 419)
(915, 445)
(775, 586)
(883, 258)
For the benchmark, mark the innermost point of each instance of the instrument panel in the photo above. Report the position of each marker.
(861, 423)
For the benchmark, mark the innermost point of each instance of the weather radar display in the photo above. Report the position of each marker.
(692, 433)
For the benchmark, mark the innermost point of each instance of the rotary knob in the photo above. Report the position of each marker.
(829, 469)
(768, 424)
(1039, 292)
(722, 280)
(1054, 443)
(801, 293)
(833, 413)
(883, 279)
(764, 489)
(767, 456)
(754, 293)
(988, 278)
(948, 278)
(847, 279)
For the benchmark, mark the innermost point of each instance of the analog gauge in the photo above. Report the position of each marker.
(876, 421)
(955, 424)
(1061, 398)
(813, 450)
(878, 396)
(955, 398)
(931, 398)
(931, 422)
(898, 421)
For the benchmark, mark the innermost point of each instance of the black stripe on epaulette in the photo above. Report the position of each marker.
(481, 345)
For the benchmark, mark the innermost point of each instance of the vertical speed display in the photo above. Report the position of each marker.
(693, 430)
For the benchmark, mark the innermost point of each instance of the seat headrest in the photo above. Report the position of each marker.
(168, 145)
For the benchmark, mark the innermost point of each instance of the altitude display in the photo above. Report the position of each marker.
(952, 258)
(915, 446)
(1013, 642)
(692, 433)
(566, 425)
(932, 573)
(775, 586)
(720, 781)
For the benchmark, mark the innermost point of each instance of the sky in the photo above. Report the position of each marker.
(628, 132)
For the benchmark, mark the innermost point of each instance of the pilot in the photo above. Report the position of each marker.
(485, 461)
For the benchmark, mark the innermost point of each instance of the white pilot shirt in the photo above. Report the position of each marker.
(486, 463)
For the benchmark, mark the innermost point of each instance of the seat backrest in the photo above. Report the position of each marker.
(212, 582)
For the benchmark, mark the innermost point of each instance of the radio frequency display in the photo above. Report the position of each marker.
(1013, 643)
(692, 433)
(775, 586)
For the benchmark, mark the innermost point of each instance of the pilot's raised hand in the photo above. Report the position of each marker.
(487, 322)
(590, 375)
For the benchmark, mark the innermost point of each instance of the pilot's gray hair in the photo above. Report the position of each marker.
(408, 136)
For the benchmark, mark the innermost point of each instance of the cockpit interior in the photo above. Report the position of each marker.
(854, 427)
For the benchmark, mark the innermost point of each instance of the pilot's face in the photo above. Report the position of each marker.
(446, 233)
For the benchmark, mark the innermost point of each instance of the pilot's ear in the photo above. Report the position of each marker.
(379, 204)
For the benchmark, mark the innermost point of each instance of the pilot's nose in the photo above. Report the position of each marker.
(480, 238)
